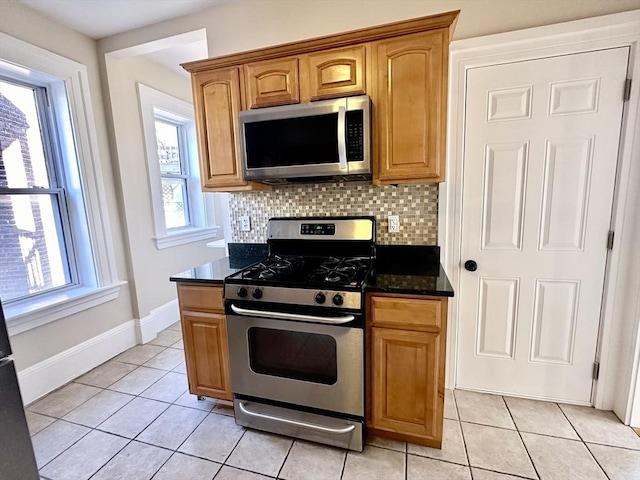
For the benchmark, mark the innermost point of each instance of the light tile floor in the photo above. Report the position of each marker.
(132, 418)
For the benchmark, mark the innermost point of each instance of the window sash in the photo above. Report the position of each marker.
(185, 176)
(63, 233)
(55, 175)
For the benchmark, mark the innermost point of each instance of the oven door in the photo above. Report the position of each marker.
(308, 364)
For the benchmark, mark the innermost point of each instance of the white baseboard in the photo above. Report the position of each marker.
(44, 377)
(147, 328)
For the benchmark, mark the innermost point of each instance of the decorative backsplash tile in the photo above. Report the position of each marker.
(417, 206)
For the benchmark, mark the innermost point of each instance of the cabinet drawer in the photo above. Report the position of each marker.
(199, 297)
(410, 312)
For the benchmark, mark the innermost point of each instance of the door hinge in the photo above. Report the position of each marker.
(596, 370)
(627, 90)
(610, 240)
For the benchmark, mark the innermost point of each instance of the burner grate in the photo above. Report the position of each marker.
(338, 270)
(272, 268)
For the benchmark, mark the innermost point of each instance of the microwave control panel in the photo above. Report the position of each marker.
(355, 135)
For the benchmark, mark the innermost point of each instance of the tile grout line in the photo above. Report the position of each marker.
(344, 463)
(285, 459)
(582, 440)
(234, 448)
(92, 429)
(129, 440)
(111, 458)
(570, 423)
(533, 464)
(464, 441)
(586, 446)
(81, 437)
(406, 460)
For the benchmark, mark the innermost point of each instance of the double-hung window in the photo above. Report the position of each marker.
(36, 251)
(182, 213)
(171, 139)
(56, 249)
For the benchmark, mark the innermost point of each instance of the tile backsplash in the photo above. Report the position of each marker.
(417, 206)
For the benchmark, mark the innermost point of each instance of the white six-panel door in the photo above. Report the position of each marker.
(541, 146)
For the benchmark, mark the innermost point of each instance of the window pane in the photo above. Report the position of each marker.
(22, 162)
(174, 201)
(168, 147)
(32, 252)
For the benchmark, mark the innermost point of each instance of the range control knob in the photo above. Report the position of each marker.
(257, 293)
(242, 292)
(320, 297)
(337, 299)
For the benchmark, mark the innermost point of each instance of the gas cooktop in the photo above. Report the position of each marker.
(319, 271)
(320, 262)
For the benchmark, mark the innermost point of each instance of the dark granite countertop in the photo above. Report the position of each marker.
(405, 269)
(409, 269)
(240, 256)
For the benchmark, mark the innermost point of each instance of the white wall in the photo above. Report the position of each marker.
(39, 344)
(236, 26)
(150, 268)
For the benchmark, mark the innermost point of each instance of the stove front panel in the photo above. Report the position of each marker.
(351, 300)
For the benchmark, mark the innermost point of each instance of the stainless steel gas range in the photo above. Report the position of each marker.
(296, 330)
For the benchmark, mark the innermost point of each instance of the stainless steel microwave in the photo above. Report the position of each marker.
(319, 141)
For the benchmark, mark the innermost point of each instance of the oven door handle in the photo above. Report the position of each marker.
(312, 426)
(293, 316)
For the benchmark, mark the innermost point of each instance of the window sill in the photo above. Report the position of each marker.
(49, 308)
(189, 235)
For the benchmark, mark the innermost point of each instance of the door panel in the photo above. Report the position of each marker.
(504, 186)
(497, 317)
(554, 321)
(567, 163)
(541, 145)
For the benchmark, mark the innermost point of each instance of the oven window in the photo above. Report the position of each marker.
(309, 357)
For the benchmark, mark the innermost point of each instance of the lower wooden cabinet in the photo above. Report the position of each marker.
(406, 367)
(204, 332)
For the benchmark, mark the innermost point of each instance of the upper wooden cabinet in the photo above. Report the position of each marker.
(410, 100)
(333, 73)
(217, 102)
(402, 66)
(272, 82)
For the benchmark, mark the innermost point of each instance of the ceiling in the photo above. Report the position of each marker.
(102, 18)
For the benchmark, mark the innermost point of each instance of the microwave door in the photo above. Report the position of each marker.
(294, 141)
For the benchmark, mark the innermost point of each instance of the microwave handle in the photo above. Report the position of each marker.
(342, 145)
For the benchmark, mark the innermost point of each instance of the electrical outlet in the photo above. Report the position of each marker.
(245, 224)
(394, 223)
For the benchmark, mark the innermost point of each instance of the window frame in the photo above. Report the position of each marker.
(154, 103)
(160, 115)
(54, 163)
(79, 163)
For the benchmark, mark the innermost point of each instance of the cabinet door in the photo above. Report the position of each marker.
(411, 107)
(333, 73)
(405, 390)
(207, 354)
(217, 104)
(272, 82)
